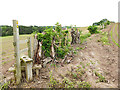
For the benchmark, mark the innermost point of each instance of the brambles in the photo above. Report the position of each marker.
(60, 39)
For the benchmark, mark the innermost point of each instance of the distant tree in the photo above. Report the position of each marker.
(92, 29)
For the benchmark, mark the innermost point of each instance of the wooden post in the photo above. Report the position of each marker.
(29, 48)
(35, 46)
(17, 52)
(28, 69)
(40, 50)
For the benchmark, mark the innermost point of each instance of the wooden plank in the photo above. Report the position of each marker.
(26, 59)
(23, 41)
(30, 48)
(24, 50)
(17, 52)
(52, 50)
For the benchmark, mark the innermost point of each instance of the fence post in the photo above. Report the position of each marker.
(17, 52)
(29, 48)
(35, 46)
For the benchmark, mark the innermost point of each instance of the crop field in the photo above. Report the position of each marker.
(114, 34)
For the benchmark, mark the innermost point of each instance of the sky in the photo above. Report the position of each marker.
(67, 12)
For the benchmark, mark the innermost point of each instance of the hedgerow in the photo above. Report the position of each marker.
(60, 37)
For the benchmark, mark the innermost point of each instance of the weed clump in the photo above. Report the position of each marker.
(84, 37)
(104, 38)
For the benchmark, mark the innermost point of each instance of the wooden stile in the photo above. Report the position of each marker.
(17, 52)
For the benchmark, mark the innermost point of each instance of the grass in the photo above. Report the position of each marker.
(84, 37)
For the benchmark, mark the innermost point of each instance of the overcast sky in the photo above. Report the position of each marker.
(48, 12)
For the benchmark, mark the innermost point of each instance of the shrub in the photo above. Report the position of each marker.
(108, 22)
(92, 29)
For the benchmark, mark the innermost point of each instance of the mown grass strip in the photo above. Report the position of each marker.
(113, 39)
(116, 30)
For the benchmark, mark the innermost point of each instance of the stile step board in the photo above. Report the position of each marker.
(26, 59)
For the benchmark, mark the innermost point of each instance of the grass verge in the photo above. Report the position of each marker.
(113, 39)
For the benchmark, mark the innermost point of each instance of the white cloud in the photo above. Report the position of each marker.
(48, 12)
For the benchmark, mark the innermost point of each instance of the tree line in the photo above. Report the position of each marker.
(8, 30)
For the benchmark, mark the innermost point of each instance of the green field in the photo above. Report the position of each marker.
(8, 48)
